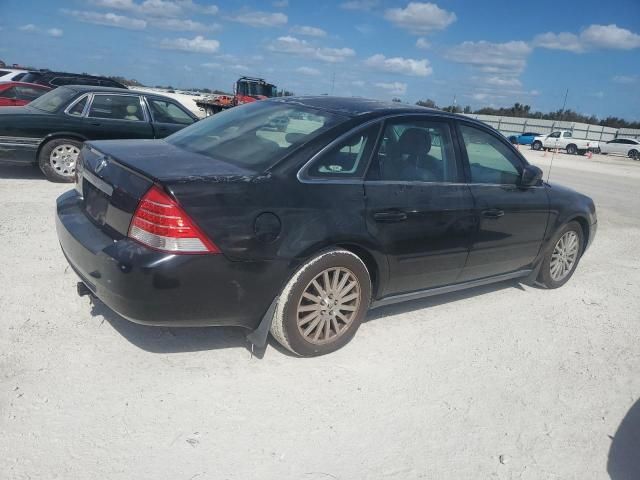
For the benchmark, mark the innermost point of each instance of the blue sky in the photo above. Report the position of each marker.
(483, 52)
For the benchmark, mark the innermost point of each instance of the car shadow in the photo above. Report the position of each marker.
(21, 172)
(412, 305)
(172, 339)
(624, 454)
(193, 339)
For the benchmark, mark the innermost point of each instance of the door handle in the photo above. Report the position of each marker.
(493, 213)
(390, 216)
(96, 124)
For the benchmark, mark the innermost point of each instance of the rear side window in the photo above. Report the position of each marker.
(164, 111)
(490, 160)
(417, 150)
(116, 107)
(78, 108)
(349, 158)
(4, 72)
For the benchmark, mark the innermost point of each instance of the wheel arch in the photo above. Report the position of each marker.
(56, 135)
(369, 261)
(586, 228)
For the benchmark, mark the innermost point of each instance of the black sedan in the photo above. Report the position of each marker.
(356, 204)
(50, 130)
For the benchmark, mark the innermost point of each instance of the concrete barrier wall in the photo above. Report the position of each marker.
(515, 126)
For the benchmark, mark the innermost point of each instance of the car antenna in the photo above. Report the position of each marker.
(553, 154)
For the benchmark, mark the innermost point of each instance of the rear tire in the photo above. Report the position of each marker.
(57, 159)
(561, 260)
(323, 304)
(571, 149)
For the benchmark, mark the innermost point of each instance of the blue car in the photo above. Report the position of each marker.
(523, 139)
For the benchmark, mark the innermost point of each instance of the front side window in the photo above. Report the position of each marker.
(116, 107)
(349, 158)
(417, 150)
(555, 135)
(490, 160)
(164, 111)
(256, 135)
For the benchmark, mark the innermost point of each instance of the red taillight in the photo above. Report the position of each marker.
(160, 223)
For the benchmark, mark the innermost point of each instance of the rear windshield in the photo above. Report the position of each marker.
(31, 77)
(256, 135)
(53, 100)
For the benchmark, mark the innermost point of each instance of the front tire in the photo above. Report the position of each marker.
(58, 158)
(634, 154)
(561, 260)
(571, 149)
(537, 145)
(323, 304)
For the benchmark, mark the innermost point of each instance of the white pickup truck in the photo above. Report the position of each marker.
(564, 140)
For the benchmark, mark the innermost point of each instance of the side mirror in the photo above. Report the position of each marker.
(531, 176)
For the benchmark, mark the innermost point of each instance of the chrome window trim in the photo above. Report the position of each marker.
(115, 94)
(85, 110)
(438, 116)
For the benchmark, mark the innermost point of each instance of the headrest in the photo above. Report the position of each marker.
(131, 109)
(414, 141)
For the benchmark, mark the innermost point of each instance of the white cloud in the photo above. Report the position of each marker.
(420, 18)
(281, 3)
(610, 36)
(211, 65)
(161, 8)
(503, 82)
(422, 43)
(107, 19)
(309, 31)
(255, 18)
(626, 79)
(592, 37)
(183, 25)
(559, 41)
(199, 44)
(360, 4)
(405, 66)
(55, 32)
(308, 71)
(394, 88)
(30, 27)
(294, 46)
(506, 58)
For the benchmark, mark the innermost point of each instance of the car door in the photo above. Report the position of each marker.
(552, 140)
(511, 220)
(116, 116)
(167, 116)
(418, 209)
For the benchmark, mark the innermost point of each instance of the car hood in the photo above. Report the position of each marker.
(167, 163)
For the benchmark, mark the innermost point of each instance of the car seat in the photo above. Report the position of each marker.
(409, 158)
(132, 113)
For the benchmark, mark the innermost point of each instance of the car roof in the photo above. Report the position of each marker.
(96, 88)
(359, 107)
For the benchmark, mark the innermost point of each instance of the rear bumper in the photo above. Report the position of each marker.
(155, 288)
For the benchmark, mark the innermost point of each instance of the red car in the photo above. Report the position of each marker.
(15, 94)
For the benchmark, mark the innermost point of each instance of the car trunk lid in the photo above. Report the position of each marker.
(113, 176)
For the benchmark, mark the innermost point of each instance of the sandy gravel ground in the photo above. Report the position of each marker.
(501, 382)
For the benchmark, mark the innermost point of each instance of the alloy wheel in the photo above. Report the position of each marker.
(63, 159)
(564, 256)
(328, 305)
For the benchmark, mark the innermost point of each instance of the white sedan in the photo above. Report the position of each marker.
(629, 147)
